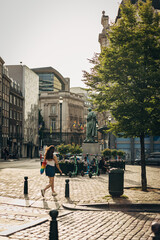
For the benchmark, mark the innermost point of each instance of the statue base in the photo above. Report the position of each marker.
(91, 149)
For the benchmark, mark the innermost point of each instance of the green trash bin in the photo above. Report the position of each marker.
(116, 182)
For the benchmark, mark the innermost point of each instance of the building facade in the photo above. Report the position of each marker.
(29, 86)
(64, 122)
(1, 97)
(5, 109)
(51, 80)
(15, 121)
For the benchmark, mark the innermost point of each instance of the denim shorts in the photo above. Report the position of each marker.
(50, 171)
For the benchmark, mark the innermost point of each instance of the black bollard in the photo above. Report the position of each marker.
(53, 233)
(67, 188)
(25, 185)
(156, 230)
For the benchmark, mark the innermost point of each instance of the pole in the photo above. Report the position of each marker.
(60, 122)
(67, 188)
(53, 233)
(25, 185)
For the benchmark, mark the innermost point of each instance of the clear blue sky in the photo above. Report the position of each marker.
(58, 33)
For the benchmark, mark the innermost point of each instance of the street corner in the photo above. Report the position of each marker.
(15, 218)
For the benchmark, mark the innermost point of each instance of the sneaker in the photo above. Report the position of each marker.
(54, 194)
(42, 192)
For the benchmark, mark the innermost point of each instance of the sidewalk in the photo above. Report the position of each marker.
(83, 190)
(84, 194)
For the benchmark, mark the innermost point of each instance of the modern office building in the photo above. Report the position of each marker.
(51, 80)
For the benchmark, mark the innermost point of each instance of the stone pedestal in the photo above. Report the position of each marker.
(91, 149)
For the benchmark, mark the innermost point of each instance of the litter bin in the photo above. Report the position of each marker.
(116, 182)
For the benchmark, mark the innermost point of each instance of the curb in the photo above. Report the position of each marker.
(130, 207)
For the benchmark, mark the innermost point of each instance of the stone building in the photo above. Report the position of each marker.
(29, 86)
(103, 40)
(64, 123)
(16, 120)
(71, 118)
(87, 104)
(4, 107)
(1, 98)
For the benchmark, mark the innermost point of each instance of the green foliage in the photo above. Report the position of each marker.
(120, 153)
(63, 149)
(70, 148)
(106, 152)
(41, 124)
(114, 153)
(75, 149)
(125, 78)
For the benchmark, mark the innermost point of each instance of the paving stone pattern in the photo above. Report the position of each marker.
(82, 189)
(15, 215)
(96, 226)
(84, 225)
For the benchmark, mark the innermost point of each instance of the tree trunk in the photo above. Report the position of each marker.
(143, 164)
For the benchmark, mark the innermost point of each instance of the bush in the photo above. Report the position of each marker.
(106, 152)
(120, 153)
(114, 153)
(75, 149)
(63, 149)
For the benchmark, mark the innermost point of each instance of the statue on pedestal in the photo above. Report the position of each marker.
(91, 131)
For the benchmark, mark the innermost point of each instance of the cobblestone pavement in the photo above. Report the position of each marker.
(96, 226)
(82, 189)
(17, 209)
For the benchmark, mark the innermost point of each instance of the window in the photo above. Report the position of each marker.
(10, 113)
(53, 124)
(53, 109)
(18, 102)
(10, 128)
(11, 98)
(14, 99)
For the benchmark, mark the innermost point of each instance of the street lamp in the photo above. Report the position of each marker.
(109, 144)
(60, 102)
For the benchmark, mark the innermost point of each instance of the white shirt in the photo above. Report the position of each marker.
(51, 163)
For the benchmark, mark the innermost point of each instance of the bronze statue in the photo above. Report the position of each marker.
(91, 131)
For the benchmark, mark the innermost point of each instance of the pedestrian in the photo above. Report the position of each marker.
(6, 154)
(50, 160)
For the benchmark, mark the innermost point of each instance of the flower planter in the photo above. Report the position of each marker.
(67, 166)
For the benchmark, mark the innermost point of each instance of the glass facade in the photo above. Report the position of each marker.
(49, 82)
(128, 145)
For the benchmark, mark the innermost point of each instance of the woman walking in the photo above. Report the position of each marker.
(51, 160)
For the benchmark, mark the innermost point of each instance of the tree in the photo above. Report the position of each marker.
(41, 125)
(125, 78)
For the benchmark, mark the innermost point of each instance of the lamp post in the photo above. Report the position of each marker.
(109, 141)
(60, 102)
